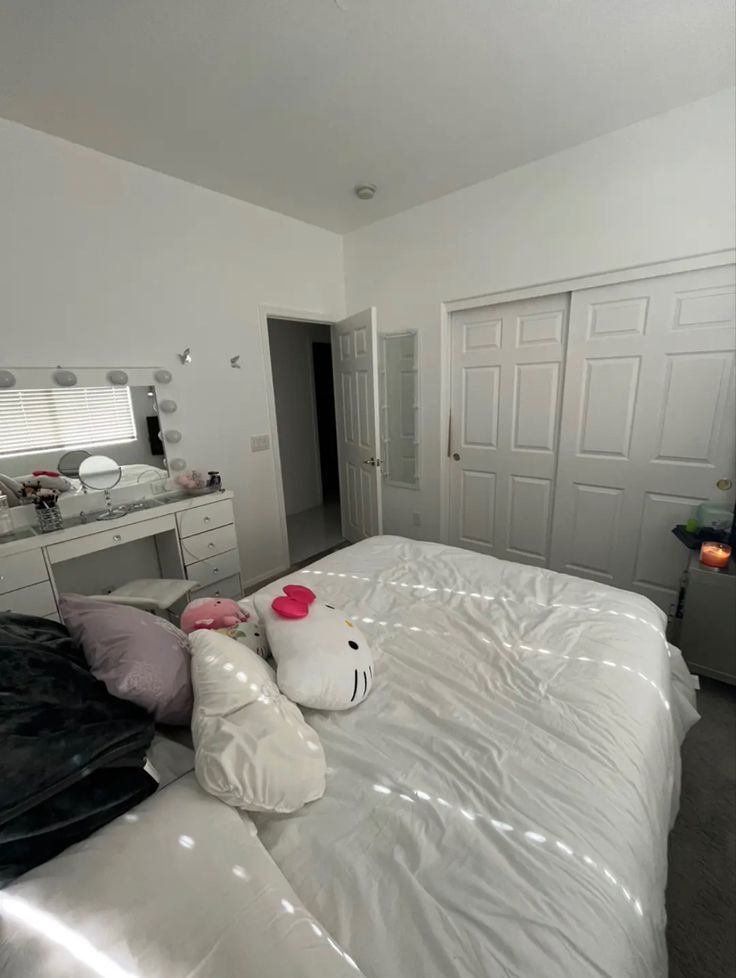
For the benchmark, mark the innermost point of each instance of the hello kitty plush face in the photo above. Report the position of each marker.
(323, 659)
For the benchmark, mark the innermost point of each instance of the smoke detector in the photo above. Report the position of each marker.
(365, 191)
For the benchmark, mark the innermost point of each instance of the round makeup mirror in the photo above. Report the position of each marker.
(102, 472)
(68, 464)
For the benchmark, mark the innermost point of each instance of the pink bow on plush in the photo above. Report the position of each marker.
(296, 603)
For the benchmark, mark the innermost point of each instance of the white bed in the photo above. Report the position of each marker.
(500, 804)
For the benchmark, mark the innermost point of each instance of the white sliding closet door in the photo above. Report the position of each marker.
(506, 389)
(647, 426)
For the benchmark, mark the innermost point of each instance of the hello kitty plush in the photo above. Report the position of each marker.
(251, 634)
(323, 659)
(212, 613)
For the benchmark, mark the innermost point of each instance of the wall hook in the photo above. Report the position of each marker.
(186, 356)
(235, 362)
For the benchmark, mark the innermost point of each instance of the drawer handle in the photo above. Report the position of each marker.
(215, 570)
(210, 545)
(206, 519)
(117, 538)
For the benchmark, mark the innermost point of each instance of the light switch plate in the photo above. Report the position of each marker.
(260, 443)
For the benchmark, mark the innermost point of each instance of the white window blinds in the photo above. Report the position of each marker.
(34, 421)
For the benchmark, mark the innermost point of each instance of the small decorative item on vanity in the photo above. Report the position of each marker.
(193, 483)
(715, 555)
(48, 513)
(215, 480)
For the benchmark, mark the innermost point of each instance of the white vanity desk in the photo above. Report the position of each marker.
(194, 538)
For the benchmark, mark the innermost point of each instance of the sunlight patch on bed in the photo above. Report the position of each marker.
(531, 836)
(505, 598)
(58, 933)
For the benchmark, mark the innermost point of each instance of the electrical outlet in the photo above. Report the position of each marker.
(416, 519)
(260, 443)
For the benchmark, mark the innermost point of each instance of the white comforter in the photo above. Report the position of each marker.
(499, 806)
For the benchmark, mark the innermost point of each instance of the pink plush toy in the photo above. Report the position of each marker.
(211, 613)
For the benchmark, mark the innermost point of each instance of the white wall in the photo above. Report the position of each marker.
(296, 415)
(105, 263)
(657, 190)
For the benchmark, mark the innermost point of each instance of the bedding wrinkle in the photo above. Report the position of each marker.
(499, 805)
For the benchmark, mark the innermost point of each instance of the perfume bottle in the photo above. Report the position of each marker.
(215, 480)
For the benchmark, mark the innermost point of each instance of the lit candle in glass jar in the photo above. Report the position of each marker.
(715, 554)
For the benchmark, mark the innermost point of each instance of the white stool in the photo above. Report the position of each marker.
(154, 594)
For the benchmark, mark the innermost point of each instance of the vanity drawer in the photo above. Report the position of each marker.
(20, 570)
(38, 599)
(229, 588)
(202, 518)
(214, 569)
(204, 545)
(112, 537)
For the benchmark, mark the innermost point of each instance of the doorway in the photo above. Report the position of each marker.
(304, 400)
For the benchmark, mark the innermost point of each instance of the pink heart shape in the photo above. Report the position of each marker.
(290, 608)
(300, 593)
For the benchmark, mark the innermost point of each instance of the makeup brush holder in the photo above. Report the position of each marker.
(49, 519)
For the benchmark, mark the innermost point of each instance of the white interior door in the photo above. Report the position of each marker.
(647, 426)
(505, 397)
(355, 359)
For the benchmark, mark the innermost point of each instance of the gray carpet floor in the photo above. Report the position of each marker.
(701, 891)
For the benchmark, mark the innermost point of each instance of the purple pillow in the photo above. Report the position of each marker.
(139, 657)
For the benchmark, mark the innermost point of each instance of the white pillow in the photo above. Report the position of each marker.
(323, 660)
(253, 748)
(182, 885)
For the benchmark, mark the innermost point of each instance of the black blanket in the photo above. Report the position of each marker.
(71, 755)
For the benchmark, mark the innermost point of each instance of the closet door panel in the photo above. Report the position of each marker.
(506, 380)
(647, 426)
(596, 511)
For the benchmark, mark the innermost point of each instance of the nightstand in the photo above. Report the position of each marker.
(708, 633)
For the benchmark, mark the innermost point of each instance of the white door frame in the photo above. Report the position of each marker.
(651, 270)
(265, 313)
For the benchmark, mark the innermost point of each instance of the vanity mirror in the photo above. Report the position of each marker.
(47, 429)
(69, 463)
(398, 361)
(102, 473)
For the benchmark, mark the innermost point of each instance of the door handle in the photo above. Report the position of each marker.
(372, 461)
(456, 456)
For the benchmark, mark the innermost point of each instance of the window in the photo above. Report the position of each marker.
(35, 421)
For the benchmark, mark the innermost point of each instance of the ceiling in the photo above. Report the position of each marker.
(289, 103)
